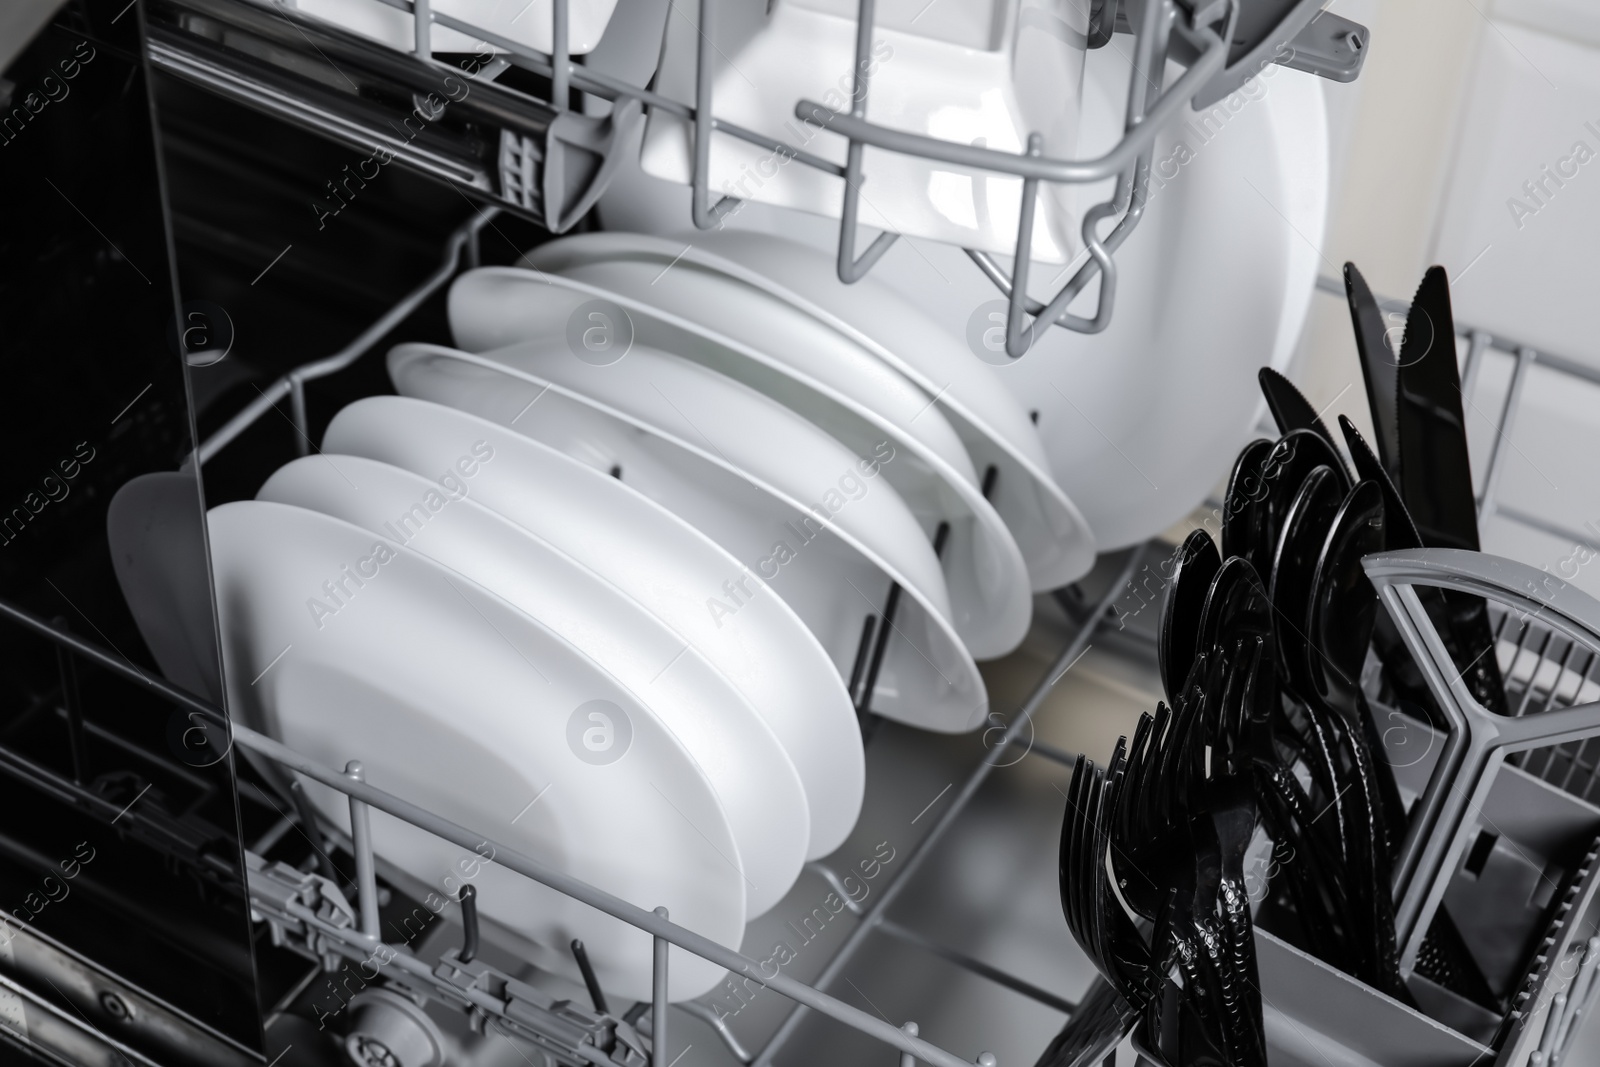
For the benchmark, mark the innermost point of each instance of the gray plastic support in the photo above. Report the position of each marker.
(1478, 741)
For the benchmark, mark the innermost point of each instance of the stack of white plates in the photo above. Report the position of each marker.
(603, 581)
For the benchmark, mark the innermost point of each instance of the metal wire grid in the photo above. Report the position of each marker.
(807, 998)
(1154, 21)
(1545, 671)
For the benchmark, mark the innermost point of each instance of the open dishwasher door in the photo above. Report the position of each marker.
(124, 922)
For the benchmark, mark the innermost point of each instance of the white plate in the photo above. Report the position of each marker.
(974, 72)
(525, 22)
(456, 701)
(1216, 281)
(832, 582)
(664, 563)
(746, 764)
(156, 539)
(751, 432)
(810, 369)
(1052, 535)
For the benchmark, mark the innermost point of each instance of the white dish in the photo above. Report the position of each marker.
(832, 582)
(458, 702)
(972, 73)
(751, 432)
(820, 375)
(740, 755)
(156, 538)
(1050, 532)
(525, 22)
(664, 563)
(1216, 281)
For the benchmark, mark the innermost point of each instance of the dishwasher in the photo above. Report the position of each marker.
(224, 213)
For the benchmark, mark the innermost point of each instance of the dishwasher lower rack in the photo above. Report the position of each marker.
(533, 151)
(1314, 1014)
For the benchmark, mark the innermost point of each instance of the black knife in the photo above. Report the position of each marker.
(1290, 408)
(1436, 469)
(1379, 367)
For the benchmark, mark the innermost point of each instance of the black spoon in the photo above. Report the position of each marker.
(1236, 607)
(1244, 505)
(1299, 546)
(1294, 457)
(1294, 564)
(1343, 609)
(1194, 565)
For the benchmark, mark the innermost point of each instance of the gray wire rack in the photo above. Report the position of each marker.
(1296, 971)
(554, 162)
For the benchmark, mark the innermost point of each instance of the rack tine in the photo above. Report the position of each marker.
(560, 59)
(469, 925)
(850, 268)
(596, 996)
(1019, 334)
(906, 1058)
(658, 999)
(705, 215)
(361, 843)
(863, 654)
(879, 647)
(1561, 672)
(991, 475)
(1533, 675)
(422, 27)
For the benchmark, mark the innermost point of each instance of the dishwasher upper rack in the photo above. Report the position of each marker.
(554, 162)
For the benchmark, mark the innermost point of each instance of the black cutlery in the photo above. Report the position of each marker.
(1194, 565)
(1340, 619)
(1379, 367)
(1237, 607)
(1436, 470)
(1290, 409)
(1244, 505)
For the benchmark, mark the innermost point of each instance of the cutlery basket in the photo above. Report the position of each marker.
(1498, 921)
